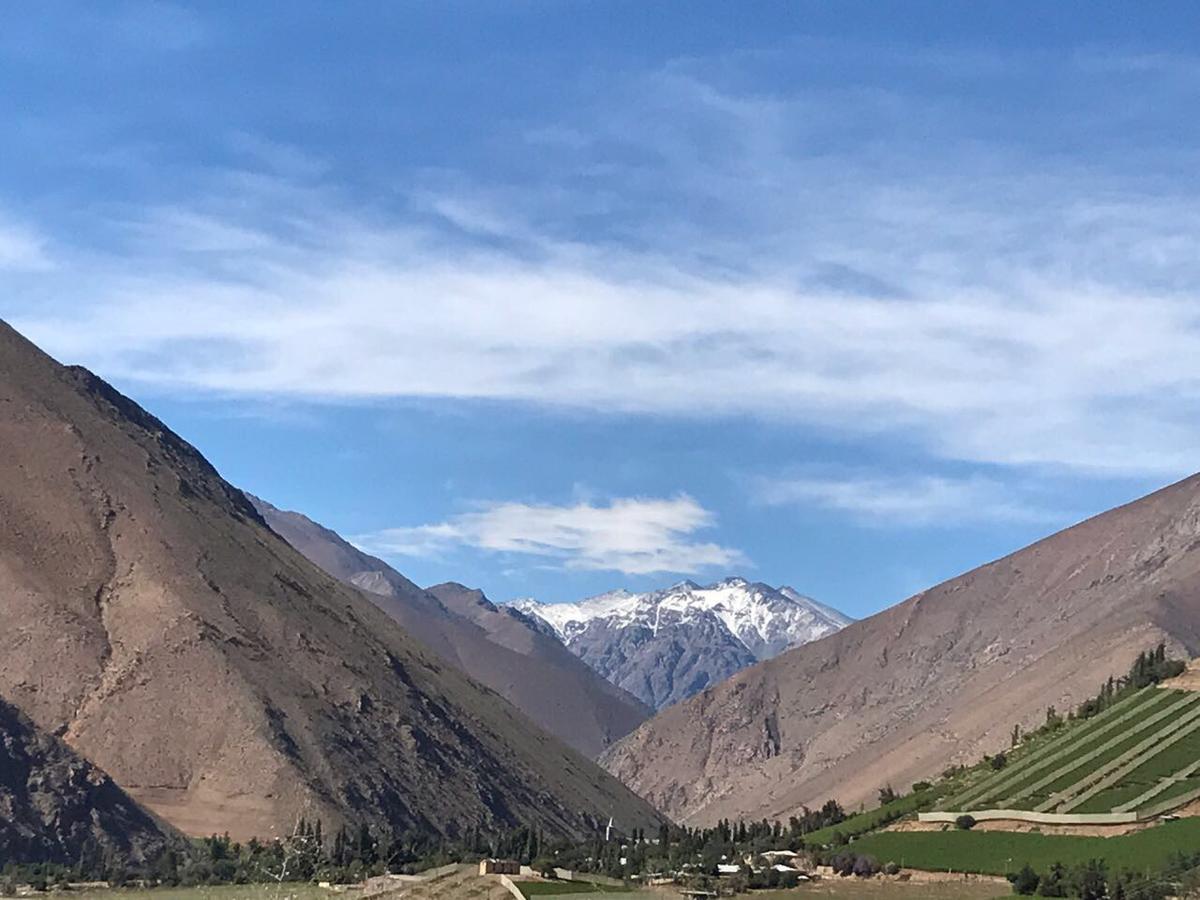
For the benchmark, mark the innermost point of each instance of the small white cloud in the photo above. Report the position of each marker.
(918, 500)
(632, 535)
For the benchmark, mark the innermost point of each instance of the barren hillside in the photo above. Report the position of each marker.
(57, 807)
(496, 646)
(939, 678)
(155, 622)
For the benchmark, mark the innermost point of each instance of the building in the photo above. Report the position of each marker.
(779, 855)
(499, 867)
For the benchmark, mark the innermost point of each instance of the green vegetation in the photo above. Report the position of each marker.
(1003, 852)
(857, 889)
(563, 888)
(1130, 748)
(286, 891)
(874, 819)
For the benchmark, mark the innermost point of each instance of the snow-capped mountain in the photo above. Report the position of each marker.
(666, 645)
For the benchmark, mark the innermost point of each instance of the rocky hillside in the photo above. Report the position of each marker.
(667, 645)
(495, 645)
(154, 621)
(57, 807)
(941, 678)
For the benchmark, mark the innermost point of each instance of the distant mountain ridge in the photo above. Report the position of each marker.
(667, 645)
(502, 648)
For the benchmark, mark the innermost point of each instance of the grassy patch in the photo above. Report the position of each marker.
(564, 888)
(862, 822)
(999, 852)
(856, 889)
(304, 891)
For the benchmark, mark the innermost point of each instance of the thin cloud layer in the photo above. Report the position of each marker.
(984, 307)
(634, 536)
(908, 501)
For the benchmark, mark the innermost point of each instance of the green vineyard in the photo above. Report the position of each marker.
(1138, 759)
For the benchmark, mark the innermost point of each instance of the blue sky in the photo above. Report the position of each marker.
(551, 298)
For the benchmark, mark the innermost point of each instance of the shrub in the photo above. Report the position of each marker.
(865, 866)
(843, 863)
(890, 868)
(1026, 881)
(964, 822)
(999, 761)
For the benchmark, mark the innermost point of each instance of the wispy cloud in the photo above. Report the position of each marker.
(718, 260)
(908, 501)
(635, 536)
(22, 248)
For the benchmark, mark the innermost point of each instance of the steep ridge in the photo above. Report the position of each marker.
(664, 646)
(938, 679)
(156, 623)
(496, 646)
(57, 807)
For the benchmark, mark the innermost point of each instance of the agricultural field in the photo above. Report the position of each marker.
(858, 889)
(577, 890)
(872, 819)
(1002, 852)
(1141, 755)
(304, 891)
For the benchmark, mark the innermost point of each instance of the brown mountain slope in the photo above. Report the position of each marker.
(499, 648)
(940, 678)
(156, 623)
(55, 806)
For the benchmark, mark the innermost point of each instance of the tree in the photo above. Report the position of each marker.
(1026, 881)
(1054, 882)
(965, 822)
(865, 866)
(1090, 881)
(999, 761)
(887, 795)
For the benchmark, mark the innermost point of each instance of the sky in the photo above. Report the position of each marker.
(551, 298)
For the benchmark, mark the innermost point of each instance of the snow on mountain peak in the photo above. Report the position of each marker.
(765, 620)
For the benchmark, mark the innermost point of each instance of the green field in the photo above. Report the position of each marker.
(863, 822)
(578, 890)
(1135, 756)
(304, 891)
(857, 889)
(999, 852)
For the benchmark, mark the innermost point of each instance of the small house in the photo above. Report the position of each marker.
(499, 867)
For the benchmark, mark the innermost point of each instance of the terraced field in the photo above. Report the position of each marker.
(1141, 757)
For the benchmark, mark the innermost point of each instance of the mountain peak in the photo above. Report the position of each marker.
(634, 639)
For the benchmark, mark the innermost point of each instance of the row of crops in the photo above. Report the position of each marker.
(1140, 755)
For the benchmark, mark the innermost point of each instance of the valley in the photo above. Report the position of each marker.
(370, 726)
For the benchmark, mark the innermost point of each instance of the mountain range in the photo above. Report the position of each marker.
(157, 625)
(665, 646)
(496, 645)
(178, 656)
(941, 678)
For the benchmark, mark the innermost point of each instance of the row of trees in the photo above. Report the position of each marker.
(1092, 880)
